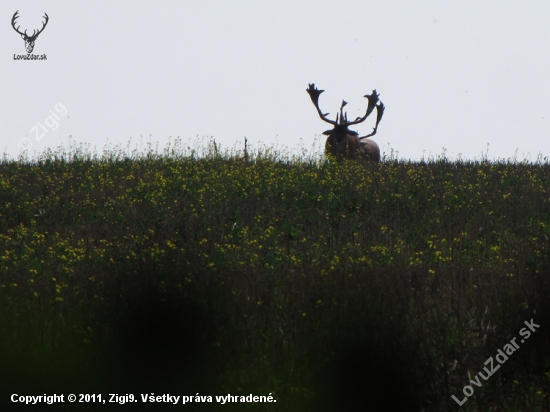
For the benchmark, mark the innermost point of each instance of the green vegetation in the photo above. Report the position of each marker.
(323, 283)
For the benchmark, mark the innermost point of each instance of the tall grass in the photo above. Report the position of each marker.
(328, 284)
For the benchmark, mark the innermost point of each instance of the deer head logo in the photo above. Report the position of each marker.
(345, 143)
(29, 40)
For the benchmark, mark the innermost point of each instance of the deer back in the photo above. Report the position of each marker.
(370, 149)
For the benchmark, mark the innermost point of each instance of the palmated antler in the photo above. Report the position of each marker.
(314, 93)
(373, 99)
(374, 102)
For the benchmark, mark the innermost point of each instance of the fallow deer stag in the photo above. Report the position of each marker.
(345, 143)
(29, 40)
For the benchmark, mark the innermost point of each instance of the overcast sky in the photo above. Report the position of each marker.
(454, 75)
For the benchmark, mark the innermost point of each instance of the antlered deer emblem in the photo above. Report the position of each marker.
(29, 40)
(345, 143)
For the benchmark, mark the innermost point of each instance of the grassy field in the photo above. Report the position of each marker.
(329, 286)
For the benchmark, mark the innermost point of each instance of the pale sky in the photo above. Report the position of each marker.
(454, 75)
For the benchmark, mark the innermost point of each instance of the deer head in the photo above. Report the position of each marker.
(345, 143)
(29, 40)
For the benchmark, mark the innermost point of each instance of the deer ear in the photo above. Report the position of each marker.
(328, 132)
(353, 133)
(23, 36)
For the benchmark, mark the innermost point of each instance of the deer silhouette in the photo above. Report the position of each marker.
(345, 143)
